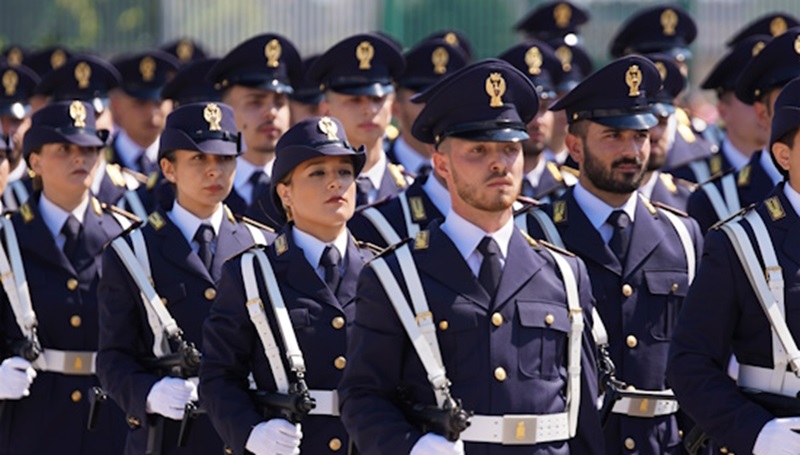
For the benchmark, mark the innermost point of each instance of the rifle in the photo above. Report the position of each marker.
(449, 420)
(183, 363)
(29, 349)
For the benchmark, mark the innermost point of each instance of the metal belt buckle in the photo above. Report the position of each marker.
(518, 430)
(776, 269)
(79, 363)
(642, 407)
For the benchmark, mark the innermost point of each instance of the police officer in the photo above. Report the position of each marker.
(758, 85)
(454, 38)
(185, 50)
(770, 24)
(186, 247)
(557, 21)
(19, 83)
(656, 185)
(543, 179)
(256, 79)
(493, 298)
(427, 198)
(138, 109)
(60, 233)
(190, 85)
(304, 102)
(732, 286)
(640, 258)
(315, 263)
(356, 75)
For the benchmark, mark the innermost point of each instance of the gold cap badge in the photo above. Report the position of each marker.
(10, 81)
(777, 26)
(533, 58)
(328, 127)
(662, 70)
(273, 52)
(797, 44)
(147, 68)
(14, 57)
(439, 58)
(495, 88)
(213, 115)
(57, 58)
(564, 54)
(633, 78)
(77, 111)
(669, 21)
(562, 13)
(757, 48)
(184, 50)
(82, 74)
(451, 38)
(364, 54)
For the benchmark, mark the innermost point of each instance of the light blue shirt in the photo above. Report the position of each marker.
(313, 248)
(466, 237)
(54, 217)
(598, 211)
(188, 223)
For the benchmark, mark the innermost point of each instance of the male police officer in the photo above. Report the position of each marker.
(497, 313)
(640, 258)
(740, 303)
(19, 83)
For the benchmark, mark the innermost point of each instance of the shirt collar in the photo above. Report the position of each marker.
(737, 159)
(18, 172)
(375, 174)
(647, 188)
(438, 194)
(54, 216)
(793, 196)
(130, 151)
(188, 223)
(411, 160)
(535, 175)
(313, 247)
(245, 169)
(769, 167)
(598, 211)
(466, 236)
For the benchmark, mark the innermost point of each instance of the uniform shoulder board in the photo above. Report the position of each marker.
(254, 223)
(390, 249)
(569, 170)
(531, 241)
(115, 174)
(371, 247)
(647, 204)
(527, 204)
(717, 176)
(668, 182)
(398, 174)
(155, 220)
(670, 209)
(718, 224)
(114, 209)
(138, 176)
(98, 209)
(553, 169)
(557, 249)
(691, 186)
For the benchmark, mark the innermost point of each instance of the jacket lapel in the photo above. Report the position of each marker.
(521, 265)
(34, 237)
(646, 234)
(231, 240)
(353, 264)
(581, 237)
(298, 274)
(177, 250)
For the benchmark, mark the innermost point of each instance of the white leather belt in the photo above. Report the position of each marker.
(645, 407)
(517, 429)
(760, 378)
(327, 402)
(69, 362)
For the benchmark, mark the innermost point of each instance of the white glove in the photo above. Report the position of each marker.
(777, 437)
(275, 437)
(433, 444)
(16, 377)
(169, 396)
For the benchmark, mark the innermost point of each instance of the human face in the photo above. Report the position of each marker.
(320, 193)
(364, 117)
(788, 158)
(261, 115)
(659, 141)
(142, 120)
(540, 130)
(741, 122)
(15, 129)
(405, 112)
(202, 180)
(764, 108)
(483, 177)
(65, 169)
(615, 161)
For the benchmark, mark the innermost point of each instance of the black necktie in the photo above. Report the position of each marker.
(620, 221)
(363, 188)
(259, 180)
(204, 236)
(489, 275)
(73, 232)
(330, 261)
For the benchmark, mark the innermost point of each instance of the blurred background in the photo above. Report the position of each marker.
(110, 27)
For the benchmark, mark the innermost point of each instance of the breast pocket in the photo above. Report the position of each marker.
(459, 341)
(666, 291)
(541, 338)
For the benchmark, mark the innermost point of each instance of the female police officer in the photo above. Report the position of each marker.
(184, 249)
(49, 310)
(310, 272)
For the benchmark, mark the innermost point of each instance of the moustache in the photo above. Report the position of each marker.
(636, 161)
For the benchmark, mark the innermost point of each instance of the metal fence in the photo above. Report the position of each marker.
(113, 26)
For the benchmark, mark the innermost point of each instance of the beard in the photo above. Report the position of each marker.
(605, 180)
(488, 201)
(656, 160)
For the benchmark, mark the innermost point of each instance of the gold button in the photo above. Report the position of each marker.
(228, 451)
(210, 293)
(631, 341)
(75, 321)
(76, 396)
(549, 319)
(500, 374)
(497, 319)
(674, 287)
(337, 322)
(627, 290)
(335, 444)
(72, 284)
(340, 362)
(680, 434)
(133, 422)
(723, 450)
(630, 444)
(444, 325)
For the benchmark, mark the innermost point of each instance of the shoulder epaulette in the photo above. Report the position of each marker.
(119, 211)
(155, 220)
(554, 171)
(152, 180)
(569, 170)
(743, 179)
(741, 212)
(527, 204)
(391, 248)
(115, 174)
(398, 174)
(717, 176)
(557, 249)
(668, 182)
(138, 176)
(96, 206)
(531, 241)
(26, 212)
(670, 209)
(648, 205)
(254, 223)
(371, 247)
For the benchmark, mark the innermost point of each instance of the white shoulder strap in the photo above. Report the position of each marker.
(574, 341)
(382, 225)
(256, 234)
(731, 193)
(770, 294)
(14, 281)
(546, 223)
(411, 227)
(134, 204)
(700, 170)
(725, 206)
(686, 242)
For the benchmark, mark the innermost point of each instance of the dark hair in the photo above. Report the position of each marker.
(578, 128)
(169, 155)
(788, 137)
